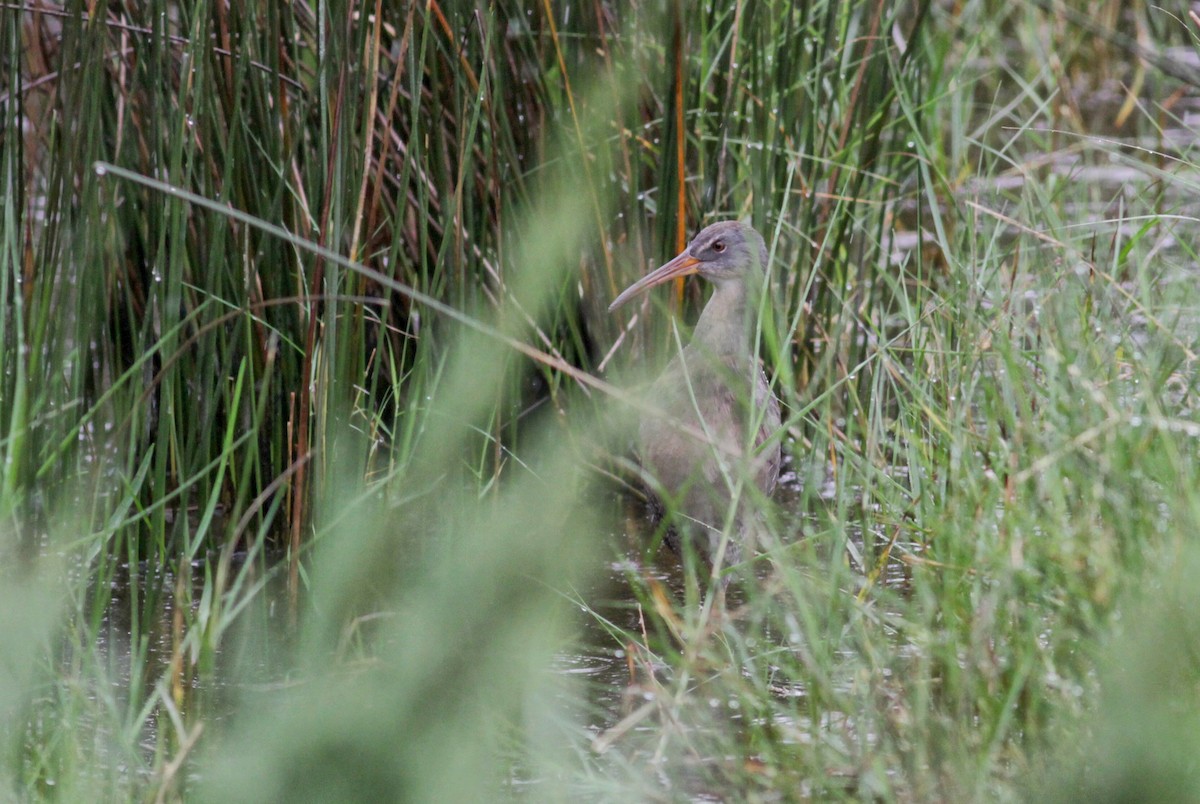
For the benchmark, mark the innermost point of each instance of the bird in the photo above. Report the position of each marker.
(719, 415)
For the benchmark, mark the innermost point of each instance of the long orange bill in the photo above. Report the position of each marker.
(682, 265)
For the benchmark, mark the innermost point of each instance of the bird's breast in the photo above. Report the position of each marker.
(716, 406)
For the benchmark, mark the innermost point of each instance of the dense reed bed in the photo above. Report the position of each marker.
(312, 415)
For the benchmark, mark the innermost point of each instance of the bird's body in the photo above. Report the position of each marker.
(714, 436)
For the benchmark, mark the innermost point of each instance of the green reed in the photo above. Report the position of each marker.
(306, 377)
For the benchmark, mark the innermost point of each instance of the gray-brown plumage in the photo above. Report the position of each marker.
(716, 387)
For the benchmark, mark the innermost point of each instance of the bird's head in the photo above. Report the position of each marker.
(722, 252)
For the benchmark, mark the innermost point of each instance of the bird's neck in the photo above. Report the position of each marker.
(726, 325)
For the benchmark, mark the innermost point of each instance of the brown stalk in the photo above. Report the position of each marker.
(299, 490)
(680, 146)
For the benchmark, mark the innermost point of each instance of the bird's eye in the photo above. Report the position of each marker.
(719, 246)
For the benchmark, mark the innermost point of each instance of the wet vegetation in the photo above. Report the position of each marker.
(314, 422)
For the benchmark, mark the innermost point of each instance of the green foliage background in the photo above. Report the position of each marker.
(306, 375)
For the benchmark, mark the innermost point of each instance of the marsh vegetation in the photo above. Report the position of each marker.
(312, 414)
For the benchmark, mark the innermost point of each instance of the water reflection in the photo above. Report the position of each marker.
(162, 666)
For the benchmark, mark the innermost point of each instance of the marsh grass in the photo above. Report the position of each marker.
(304, 317)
